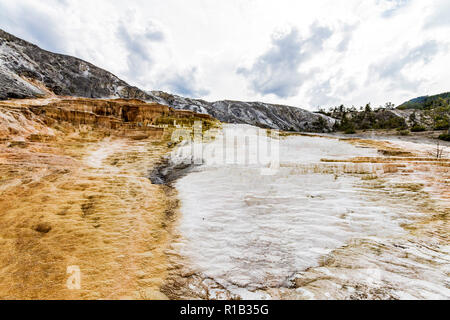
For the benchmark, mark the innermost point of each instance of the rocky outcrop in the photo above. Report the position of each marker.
(134, 118)
(259, 114)
(28, 71)
(21, 122)
(114, 113)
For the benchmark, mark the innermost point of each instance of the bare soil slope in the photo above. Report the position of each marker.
(74, 192)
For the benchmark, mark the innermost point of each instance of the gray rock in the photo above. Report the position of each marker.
(259, 114)
(27, 71)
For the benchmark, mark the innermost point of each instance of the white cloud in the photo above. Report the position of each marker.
(391, 69)
(195, 47)
(138, 44)
(183, 83)
(277, 70)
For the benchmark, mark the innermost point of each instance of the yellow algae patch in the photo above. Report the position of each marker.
(79, 199)
(107, 219)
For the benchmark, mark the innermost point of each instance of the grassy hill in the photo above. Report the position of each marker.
(427, 102)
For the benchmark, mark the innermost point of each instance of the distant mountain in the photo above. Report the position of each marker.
(27, 71)
(426, 102)
(259, 114)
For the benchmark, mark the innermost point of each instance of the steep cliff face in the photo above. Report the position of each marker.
(119, 114)
(120, 117)
(28, 71)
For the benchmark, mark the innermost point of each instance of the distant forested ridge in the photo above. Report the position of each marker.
(420, 114)
(427, 102)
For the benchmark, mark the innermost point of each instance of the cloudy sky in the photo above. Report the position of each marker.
(302, 53)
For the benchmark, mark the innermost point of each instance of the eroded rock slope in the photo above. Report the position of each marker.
(27, 71)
